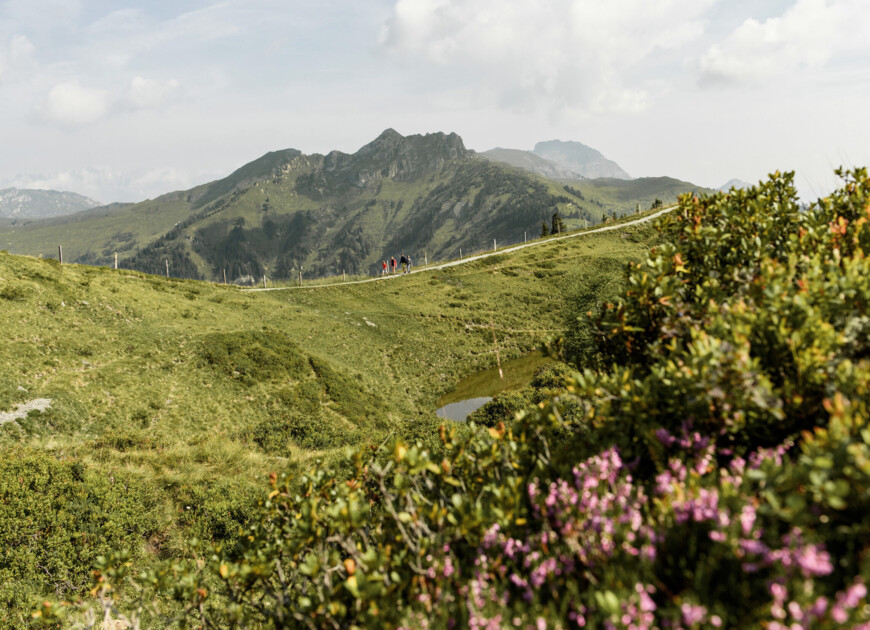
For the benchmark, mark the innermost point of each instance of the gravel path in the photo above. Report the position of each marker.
(20, 412)
(468, 259)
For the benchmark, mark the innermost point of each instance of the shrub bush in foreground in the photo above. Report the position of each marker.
(717, 477)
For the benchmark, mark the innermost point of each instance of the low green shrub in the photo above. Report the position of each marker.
(15, 292)
(254, 356)
(502, 408)
(216, 511)
(310, 431)
(56, 518)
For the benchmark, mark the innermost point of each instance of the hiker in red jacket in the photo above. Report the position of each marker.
(384, 269)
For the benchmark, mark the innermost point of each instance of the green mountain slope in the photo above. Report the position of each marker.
(424, 195)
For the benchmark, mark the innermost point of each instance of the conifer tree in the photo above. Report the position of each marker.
(558, 226)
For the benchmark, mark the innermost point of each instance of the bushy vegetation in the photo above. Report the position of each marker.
(716, 475)
(56, 517)
(254, 356)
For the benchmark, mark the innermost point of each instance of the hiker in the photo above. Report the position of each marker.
(384, 270)
(392, 264)
(404, 261)
(408, 258)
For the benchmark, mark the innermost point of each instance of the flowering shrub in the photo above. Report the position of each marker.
(713, 471)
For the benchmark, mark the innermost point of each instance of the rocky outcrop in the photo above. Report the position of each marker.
(389, 156)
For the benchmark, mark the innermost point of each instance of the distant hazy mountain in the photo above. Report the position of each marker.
(734, 183)
(426, 195)
(17, 203)
(530, 162)
(579, 158)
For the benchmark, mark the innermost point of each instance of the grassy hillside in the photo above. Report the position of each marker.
(192, 392)
(425, 195)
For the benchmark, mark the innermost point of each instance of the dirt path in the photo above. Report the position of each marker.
(468, 259)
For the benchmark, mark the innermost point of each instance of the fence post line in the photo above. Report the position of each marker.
(60, 253)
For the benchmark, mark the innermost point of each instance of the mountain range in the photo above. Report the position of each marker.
(17, 203)
(426, 195)
(558, 159)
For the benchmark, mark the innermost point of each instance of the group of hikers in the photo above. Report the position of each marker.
(391, 267)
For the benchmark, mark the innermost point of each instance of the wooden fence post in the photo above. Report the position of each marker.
(60, 253)
(225, 276)
(493, 245)
(116, 260)
(166, 260)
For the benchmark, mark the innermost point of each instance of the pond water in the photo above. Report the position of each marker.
(462, 409)
(477, 389)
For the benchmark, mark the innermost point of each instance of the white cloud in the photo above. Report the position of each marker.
(91, 182)
(149, 93)
(107, 184)
(17, 55)
(572, 54)
(71, 104)
(159, 181)
(808, 35)
(20, 49)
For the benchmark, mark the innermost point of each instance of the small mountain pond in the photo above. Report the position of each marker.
(477, 389)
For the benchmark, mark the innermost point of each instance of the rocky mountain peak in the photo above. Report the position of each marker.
(579, 158)
(390, 144)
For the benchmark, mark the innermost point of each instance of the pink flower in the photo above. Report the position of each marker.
(813, 560)
(693, 614)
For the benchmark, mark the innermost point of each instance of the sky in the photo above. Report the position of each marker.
(123, 100)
